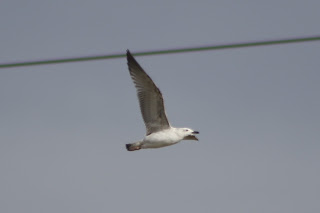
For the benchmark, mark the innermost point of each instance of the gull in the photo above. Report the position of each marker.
(159, 132)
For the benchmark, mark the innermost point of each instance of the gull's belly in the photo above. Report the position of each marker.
(160, 139)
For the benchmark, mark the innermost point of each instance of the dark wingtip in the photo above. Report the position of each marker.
(130, 57)
(129, 53)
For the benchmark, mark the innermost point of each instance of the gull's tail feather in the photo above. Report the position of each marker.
(134, 146)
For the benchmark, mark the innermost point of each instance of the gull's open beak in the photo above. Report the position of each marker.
(192, 136)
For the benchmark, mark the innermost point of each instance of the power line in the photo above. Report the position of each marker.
(157, 52)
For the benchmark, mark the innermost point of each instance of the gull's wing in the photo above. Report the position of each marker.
(150, 98)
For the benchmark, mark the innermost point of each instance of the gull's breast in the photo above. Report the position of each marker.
(160, 139)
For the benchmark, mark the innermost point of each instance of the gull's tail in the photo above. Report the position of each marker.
(134, 146)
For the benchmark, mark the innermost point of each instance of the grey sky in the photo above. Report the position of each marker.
(64, 127)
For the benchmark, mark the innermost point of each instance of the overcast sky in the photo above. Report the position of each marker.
(64, 127)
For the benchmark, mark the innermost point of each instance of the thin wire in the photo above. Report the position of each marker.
(158, 52)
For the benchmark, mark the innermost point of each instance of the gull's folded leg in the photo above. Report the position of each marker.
(134, 146)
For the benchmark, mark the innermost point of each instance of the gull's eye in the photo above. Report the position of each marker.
(186, 130)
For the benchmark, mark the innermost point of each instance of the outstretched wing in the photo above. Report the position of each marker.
(150, 98)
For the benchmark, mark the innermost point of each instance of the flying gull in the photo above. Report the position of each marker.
(159, 132)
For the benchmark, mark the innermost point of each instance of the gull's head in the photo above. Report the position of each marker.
(189, 134)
